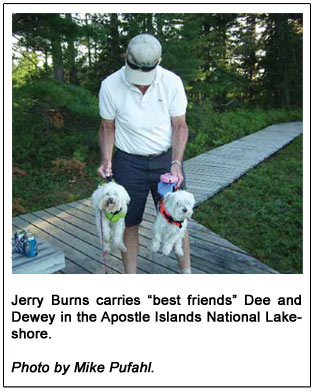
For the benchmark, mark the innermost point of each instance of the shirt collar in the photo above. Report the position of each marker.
(155, 81)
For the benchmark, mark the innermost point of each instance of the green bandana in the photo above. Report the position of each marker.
(114, 216)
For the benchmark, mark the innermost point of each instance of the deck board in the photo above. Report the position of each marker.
(71, 228)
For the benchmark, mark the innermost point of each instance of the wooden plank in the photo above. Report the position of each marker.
(81, 206)
(77, 213)
(234, 262)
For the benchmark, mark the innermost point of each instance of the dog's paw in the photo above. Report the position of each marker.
(122, 248)
(179, 252)
(166, 250)
(106, 237)
(155, 246)
(107, 247)
(119, 246)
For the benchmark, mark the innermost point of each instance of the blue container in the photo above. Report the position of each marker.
(163, 188)
(30, 245)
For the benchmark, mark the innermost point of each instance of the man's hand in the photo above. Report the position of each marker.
(176, 170)
(105, 170)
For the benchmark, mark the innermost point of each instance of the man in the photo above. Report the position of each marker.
(143, 109)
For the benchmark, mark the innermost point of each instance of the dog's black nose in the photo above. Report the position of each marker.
(110, 200)
(184, 209)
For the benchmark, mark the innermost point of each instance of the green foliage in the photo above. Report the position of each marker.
(78, 100)
(282, 45)
(37, 140)
(81, 153)
(25, 68)
(262, 212)
(245, 59)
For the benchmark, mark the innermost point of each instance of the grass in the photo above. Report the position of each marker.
(262, 212)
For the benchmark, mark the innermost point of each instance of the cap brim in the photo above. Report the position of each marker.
(139, 77)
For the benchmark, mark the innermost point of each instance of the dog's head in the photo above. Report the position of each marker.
(179, 204)
(111, 197)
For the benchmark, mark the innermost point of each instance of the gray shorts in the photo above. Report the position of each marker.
(139, 175)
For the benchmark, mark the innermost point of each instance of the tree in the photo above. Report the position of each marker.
(45, 33)
(246, 52)
(71, 51)
(282, 61)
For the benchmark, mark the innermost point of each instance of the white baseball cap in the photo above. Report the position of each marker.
(142, 57)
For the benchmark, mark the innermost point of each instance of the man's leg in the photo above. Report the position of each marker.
(131, 172)
(131, 240)
(185, 260)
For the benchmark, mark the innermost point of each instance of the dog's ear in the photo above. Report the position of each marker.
(126, 196)
(125, 199)
(95, 199)
(193, 200)
(128, 199)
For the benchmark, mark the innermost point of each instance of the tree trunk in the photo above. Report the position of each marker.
(88, 42)
(71, 56)
(57, 58)
(149, 23)
(114, 44)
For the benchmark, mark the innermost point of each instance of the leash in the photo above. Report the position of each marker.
(104, 252)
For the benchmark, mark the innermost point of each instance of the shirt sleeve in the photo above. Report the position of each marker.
(106, 104)
(178, 102)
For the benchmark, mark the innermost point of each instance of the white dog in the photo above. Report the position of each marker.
(112, 199)
(171, 222)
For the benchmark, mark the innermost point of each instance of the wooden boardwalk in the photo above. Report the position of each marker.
(212, 171)
(70, 227)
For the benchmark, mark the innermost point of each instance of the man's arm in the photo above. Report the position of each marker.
(179, 140)
(106, 141)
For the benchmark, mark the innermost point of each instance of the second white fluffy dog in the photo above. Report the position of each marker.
(112, 199)
(171, 222)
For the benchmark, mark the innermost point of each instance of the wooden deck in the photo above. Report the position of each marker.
(70, 227)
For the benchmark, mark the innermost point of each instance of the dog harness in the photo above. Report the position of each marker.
(114, 216)
(167, 216)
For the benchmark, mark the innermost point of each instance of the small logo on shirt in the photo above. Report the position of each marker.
(159, 100)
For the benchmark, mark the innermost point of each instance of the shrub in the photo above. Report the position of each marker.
(69, 167)
(52, 120)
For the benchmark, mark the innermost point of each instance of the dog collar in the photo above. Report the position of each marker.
(114, 216)
(167, 216)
